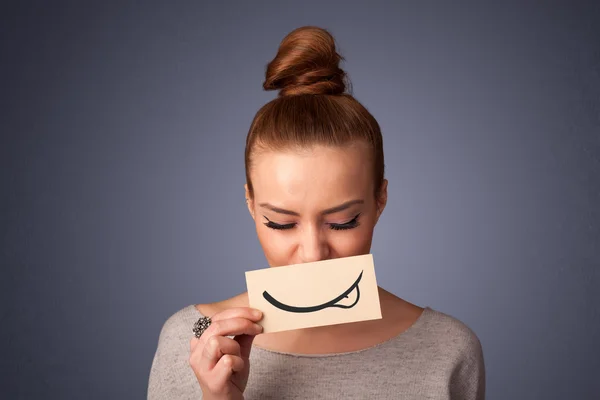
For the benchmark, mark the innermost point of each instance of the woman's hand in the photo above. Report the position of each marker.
(221, 364)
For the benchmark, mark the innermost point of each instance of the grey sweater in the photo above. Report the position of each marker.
(438, 357)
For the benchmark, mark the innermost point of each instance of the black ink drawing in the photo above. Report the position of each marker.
(331, 303)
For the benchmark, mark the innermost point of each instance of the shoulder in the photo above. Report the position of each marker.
(170, 374)
(210, 309)
(459, 347)
(180, 322)
(445, 339)
(441, 332)
(178, 325)
(178, 328)
(456, 337)
(456, 351)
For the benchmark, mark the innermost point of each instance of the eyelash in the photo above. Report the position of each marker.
(353, 223)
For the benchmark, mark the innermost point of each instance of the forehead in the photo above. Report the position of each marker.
(318, 175)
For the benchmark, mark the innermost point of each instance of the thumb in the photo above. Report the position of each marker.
(245, 342)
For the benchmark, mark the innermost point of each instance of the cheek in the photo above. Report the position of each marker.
(277, 246)
(353, 242)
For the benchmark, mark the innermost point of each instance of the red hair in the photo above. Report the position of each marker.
(313, 107)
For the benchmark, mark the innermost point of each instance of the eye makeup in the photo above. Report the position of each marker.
(273, 225)
(353, 223)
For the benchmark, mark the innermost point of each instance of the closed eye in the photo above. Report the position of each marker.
(353, 223)
(274, 225)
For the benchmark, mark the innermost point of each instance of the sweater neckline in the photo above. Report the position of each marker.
(427, 311)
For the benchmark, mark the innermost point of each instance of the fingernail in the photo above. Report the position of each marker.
(259, 327)
(257, 313)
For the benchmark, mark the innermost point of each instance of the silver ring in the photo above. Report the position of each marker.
(201, 325)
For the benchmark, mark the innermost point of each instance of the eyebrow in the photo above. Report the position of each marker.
(332, 210)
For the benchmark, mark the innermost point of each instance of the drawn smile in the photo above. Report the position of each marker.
(331, 303)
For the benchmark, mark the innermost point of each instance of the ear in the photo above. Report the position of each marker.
(249, 201)
(382, 199)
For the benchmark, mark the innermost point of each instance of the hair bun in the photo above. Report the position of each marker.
(306, 63)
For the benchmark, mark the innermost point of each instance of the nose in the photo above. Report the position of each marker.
(313, 246)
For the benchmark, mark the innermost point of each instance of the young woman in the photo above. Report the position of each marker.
(315, 189)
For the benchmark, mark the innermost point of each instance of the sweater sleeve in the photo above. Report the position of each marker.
(468, 377)
(171, 376)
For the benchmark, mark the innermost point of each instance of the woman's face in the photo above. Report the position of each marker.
(315, 204)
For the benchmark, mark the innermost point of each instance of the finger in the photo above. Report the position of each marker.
(228, 345)
(245, 343)
(238, 312)
(193, 343)
(231, 327)
(221, 374)
(216, 348)
(231, 363)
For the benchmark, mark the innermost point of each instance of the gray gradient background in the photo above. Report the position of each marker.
(121, 159)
